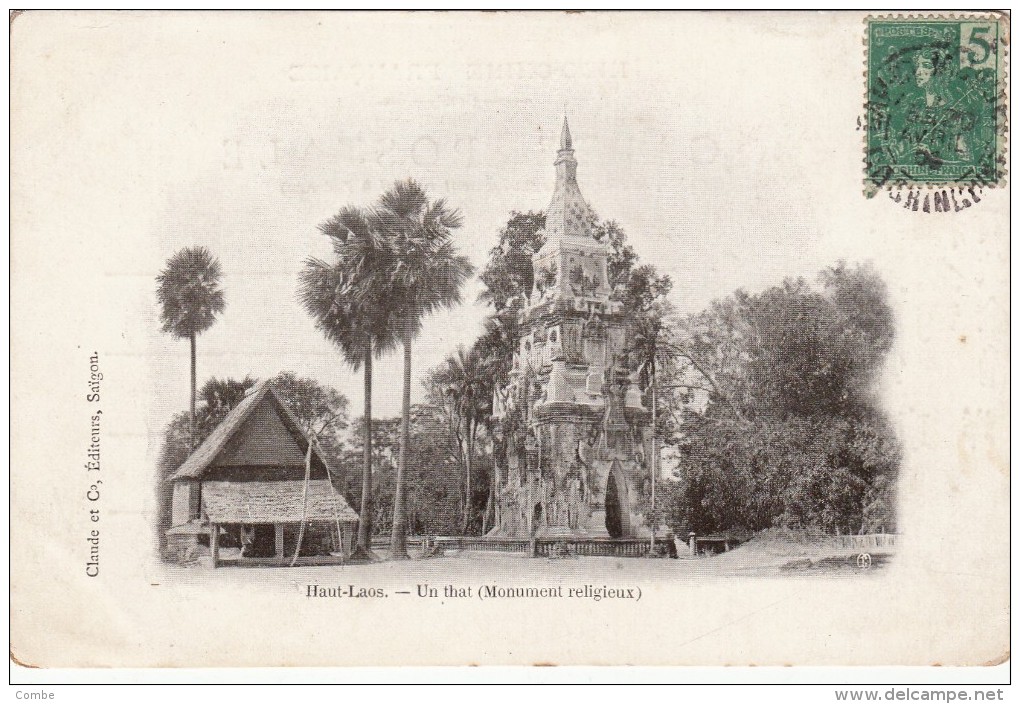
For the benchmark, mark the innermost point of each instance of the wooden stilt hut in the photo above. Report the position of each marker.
(243, 492)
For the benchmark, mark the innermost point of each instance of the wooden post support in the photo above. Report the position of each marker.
(214, 544)
(278, 528)
(348, 538)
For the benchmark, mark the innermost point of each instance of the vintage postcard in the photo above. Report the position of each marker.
(357, 339)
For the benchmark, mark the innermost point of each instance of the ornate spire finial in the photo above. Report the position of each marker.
(565, 141)
(568, 214)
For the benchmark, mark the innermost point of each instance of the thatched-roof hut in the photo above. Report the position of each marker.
(243, 491)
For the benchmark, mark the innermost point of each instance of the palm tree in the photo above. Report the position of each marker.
(496, 348)
(217, 397)
(467, 389)
(348, 301)
(427, 275)
(190, 295)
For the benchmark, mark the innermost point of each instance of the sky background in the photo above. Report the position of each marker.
(690, 162)
(728, 149)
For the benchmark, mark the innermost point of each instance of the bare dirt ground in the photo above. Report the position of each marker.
(761, 557)
(801, 555)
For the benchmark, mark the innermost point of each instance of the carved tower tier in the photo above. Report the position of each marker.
(578, 436)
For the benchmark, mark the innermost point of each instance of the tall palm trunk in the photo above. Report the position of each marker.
(364, 548)
(488, 512)
(194, 384)
(490, 499)
(469, 456)
(492, 517)
(398, 539)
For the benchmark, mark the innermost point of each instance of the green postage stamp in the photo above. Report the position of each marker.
(936, 102)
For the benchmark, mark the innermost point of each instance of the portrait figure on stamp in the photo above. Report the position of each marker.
(936, 129)
(934, 105)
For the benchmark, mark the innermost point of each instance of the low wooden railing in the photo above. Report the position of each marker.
(383, 542)
(867, 542)
(546, 547)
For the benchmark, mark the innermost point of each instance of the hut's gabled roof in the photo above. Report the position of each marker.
(259, 431)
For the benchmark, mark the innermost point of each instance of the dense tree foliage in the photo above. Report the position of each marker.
(434, 483)
(461, 391)
(321, 410)
(780, 424)
(766, 403)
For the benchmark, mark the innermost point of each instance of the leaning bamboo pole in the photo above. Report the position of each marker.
(336, 513)
(304, 502)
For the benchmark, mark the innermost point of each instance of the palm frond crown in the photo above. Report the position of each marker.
(425, 272)
(189, 292)
(348, 298)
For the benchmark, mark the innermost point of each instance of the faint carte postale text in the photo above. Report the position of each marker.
(936, 110)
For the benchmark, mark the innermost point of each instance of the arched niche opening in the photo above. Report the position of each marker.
(614, 511)
(617, 503)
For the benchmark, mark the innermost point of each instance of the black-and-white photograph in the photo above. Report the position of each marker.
(590, 417)
(576, 339)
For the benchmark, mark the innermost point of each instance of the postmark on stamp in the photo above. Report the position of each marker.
(936, 111)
